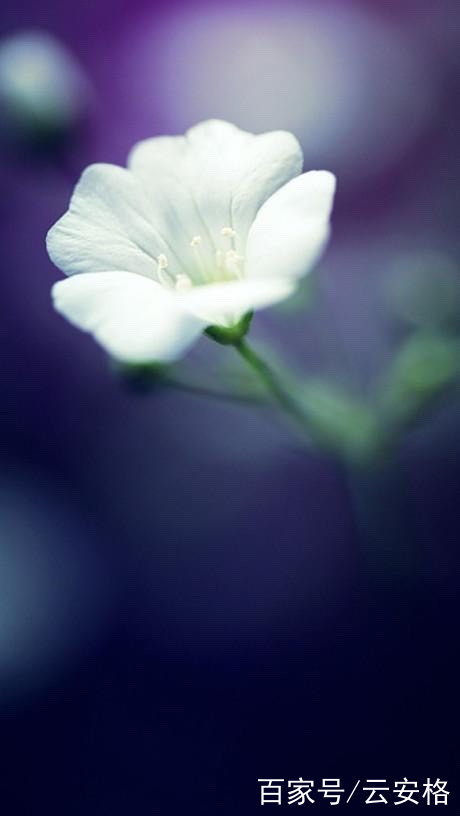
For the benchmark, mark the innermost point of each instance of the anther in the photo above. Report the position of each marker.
(162, 262)
(228, 232)
(196, 240)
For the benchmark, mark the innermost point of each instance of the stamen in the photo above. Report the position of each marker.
(233, 263)
(183, 283)
(233, 256)
(196, 240)
(164, 277)
(228, 232)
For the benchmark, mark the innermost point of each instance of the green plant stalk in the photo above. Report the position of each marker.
(272, 383)
(199, 390)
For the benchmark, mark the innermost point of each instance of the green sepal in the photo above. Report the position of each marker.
(229, 336)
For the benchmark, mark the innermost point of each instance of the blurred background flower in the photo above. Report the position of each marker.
(43, 91)
(184, 587)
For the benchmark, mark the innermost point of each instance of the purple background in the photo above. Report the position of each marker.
(184, 603)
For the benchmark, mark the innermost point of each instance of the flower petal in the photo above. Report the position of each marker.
(228, 172)
(223, 304)
(291, 228)
(109, 225)
(133, 318)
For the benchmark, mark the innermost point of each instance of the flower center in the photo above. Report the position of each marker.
(208, 262)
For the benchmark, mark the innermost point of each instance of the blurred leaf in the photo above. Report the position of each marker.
(423, 289)
(341, 422)
(423, 368)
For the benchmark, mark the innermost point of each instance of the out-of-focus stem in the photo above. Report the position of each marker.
(272, 383)
(212, 393)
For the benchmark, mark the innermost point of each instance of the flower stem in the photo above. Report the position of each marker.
(272, 383)
(199, 390)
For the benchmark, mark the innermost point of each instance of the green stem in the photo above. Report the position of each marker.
(271, 382)
(212, 393)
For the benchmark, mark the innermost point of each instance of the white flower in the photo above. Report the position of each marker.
(197, 231)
